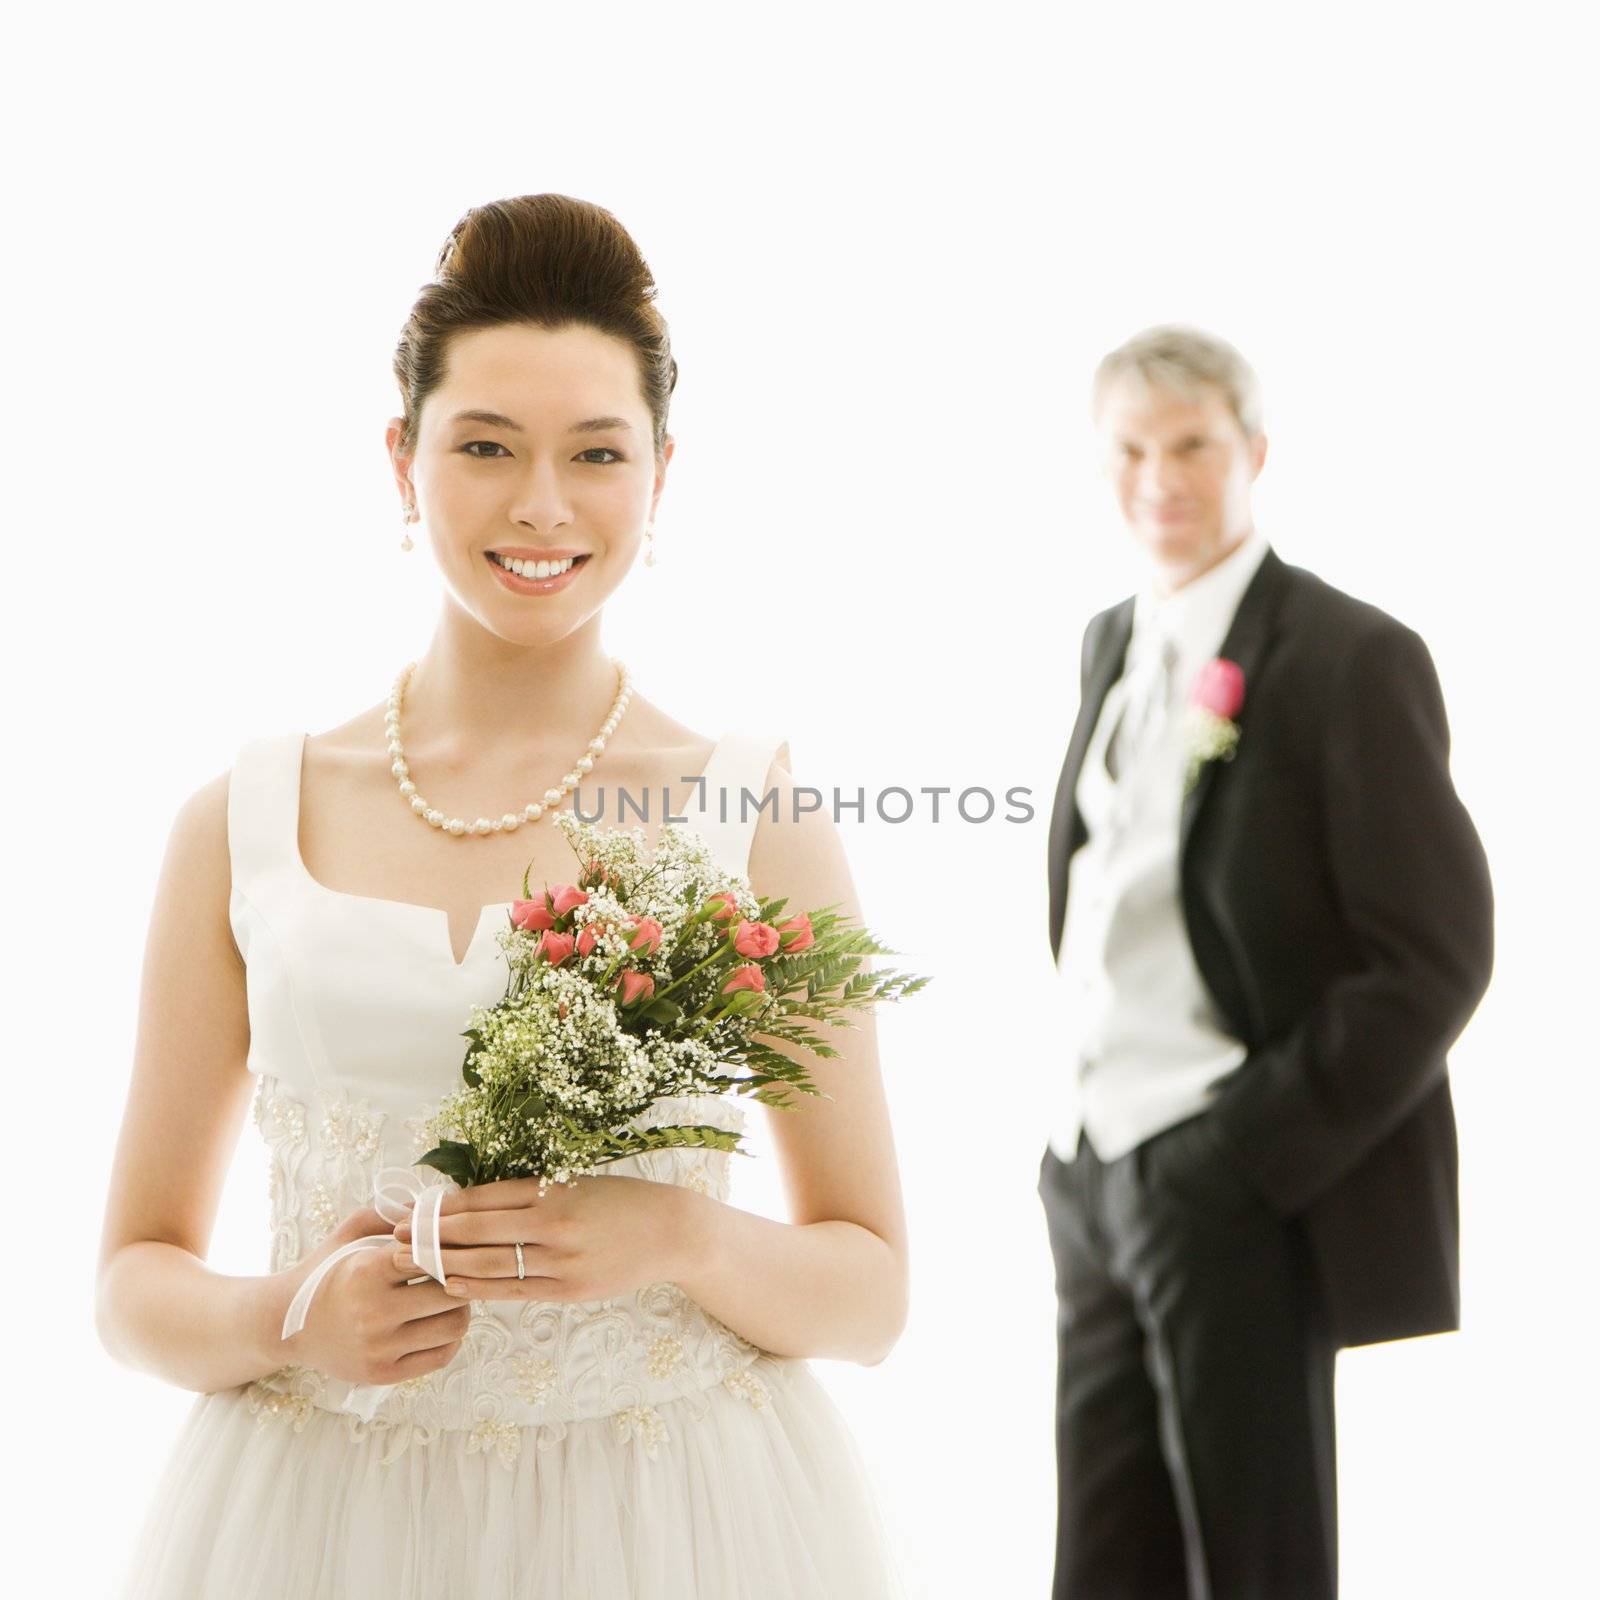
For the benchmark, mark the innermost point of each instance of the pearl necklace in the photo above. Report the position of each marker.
(512, 819)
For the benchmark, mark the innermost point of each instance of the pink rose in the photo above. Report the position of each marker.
(755, 938)
(531, 915)
(554, 947)
(1219, 687)
(565, 896)
(727, 904)
(646, 935)
(635, 985)
(588, 938)
(803, 938)
(746, 977)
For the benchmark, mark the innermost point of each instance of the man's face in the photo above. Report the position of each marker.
(1181, 468)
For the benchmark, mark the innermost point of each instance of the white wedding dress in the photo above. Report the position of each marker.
(627, 1449)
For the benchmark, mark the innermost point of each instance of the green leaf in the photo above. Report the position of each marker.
(680, 1136)
(454, 1160)
(530, 1103)
(666, 1012)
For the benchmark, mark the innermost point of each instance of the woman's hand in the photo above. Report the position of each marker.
(596, 1238)
(366, 1323)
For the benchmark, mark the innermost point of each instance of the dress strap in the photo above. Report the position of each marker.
(725, 817)
(263, 807)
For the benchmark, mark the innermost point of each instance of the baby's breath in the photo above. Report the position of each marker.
(558, 1074)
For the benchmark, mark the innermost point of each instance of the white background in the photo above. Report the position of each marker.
(891, 243)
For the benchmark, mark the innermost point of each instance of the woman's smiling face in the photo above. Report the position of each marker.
(537, 444)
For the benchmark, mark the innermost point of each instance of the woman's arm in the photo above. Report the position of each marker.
(158, 1306)
(833, 1282)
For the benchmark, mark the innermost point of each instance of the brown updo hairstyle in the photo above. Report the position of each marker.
(545, 259)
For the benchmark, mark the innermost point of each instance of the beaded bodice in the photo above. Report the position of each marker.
(356, 1009)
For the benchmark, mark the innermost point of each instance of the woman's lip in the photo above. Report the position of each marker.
(528, 553)
(518, 585)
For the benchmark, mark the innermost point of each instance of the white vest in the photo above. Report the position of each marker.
(1145, 1045)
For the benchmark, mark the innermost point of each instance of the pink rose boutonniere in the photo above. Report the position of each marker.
(1210, 732)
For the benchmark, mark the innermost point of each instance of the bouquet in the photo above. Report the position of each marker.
(647, 978)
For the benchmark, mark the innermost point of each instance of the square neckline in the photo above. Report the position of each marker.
(439, 914)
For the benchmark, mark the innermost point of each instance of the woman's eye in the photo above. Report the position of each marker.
(472, 449)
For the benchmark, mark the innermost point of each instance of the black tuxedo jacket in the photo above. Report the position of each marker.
(1338, 903)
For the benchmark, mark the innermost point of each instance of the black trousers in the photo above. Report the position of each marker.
(1194, 1399)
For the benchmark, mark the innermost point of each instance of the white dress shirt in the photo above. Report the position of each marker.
(1145, 1044)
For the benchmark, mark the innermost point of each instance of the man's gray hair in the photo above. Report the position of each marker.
(1173, 356)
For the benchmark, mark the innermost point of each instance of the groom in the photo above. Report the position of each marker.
(1254, 1158)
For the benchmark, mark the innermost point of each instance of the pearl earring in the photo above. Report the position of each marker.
(650, 544)
(408, 515)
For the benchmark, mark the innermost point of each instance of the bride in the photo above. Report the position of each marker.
(610, 1395)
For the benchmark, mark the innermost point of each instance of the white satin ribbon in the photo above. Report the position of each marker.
(395, 1191)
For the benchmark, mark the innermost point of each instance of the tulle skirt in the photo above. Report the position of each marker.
(734, 1503)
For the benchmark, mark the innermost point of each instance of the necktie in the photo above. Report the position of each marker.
(1149, 696)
